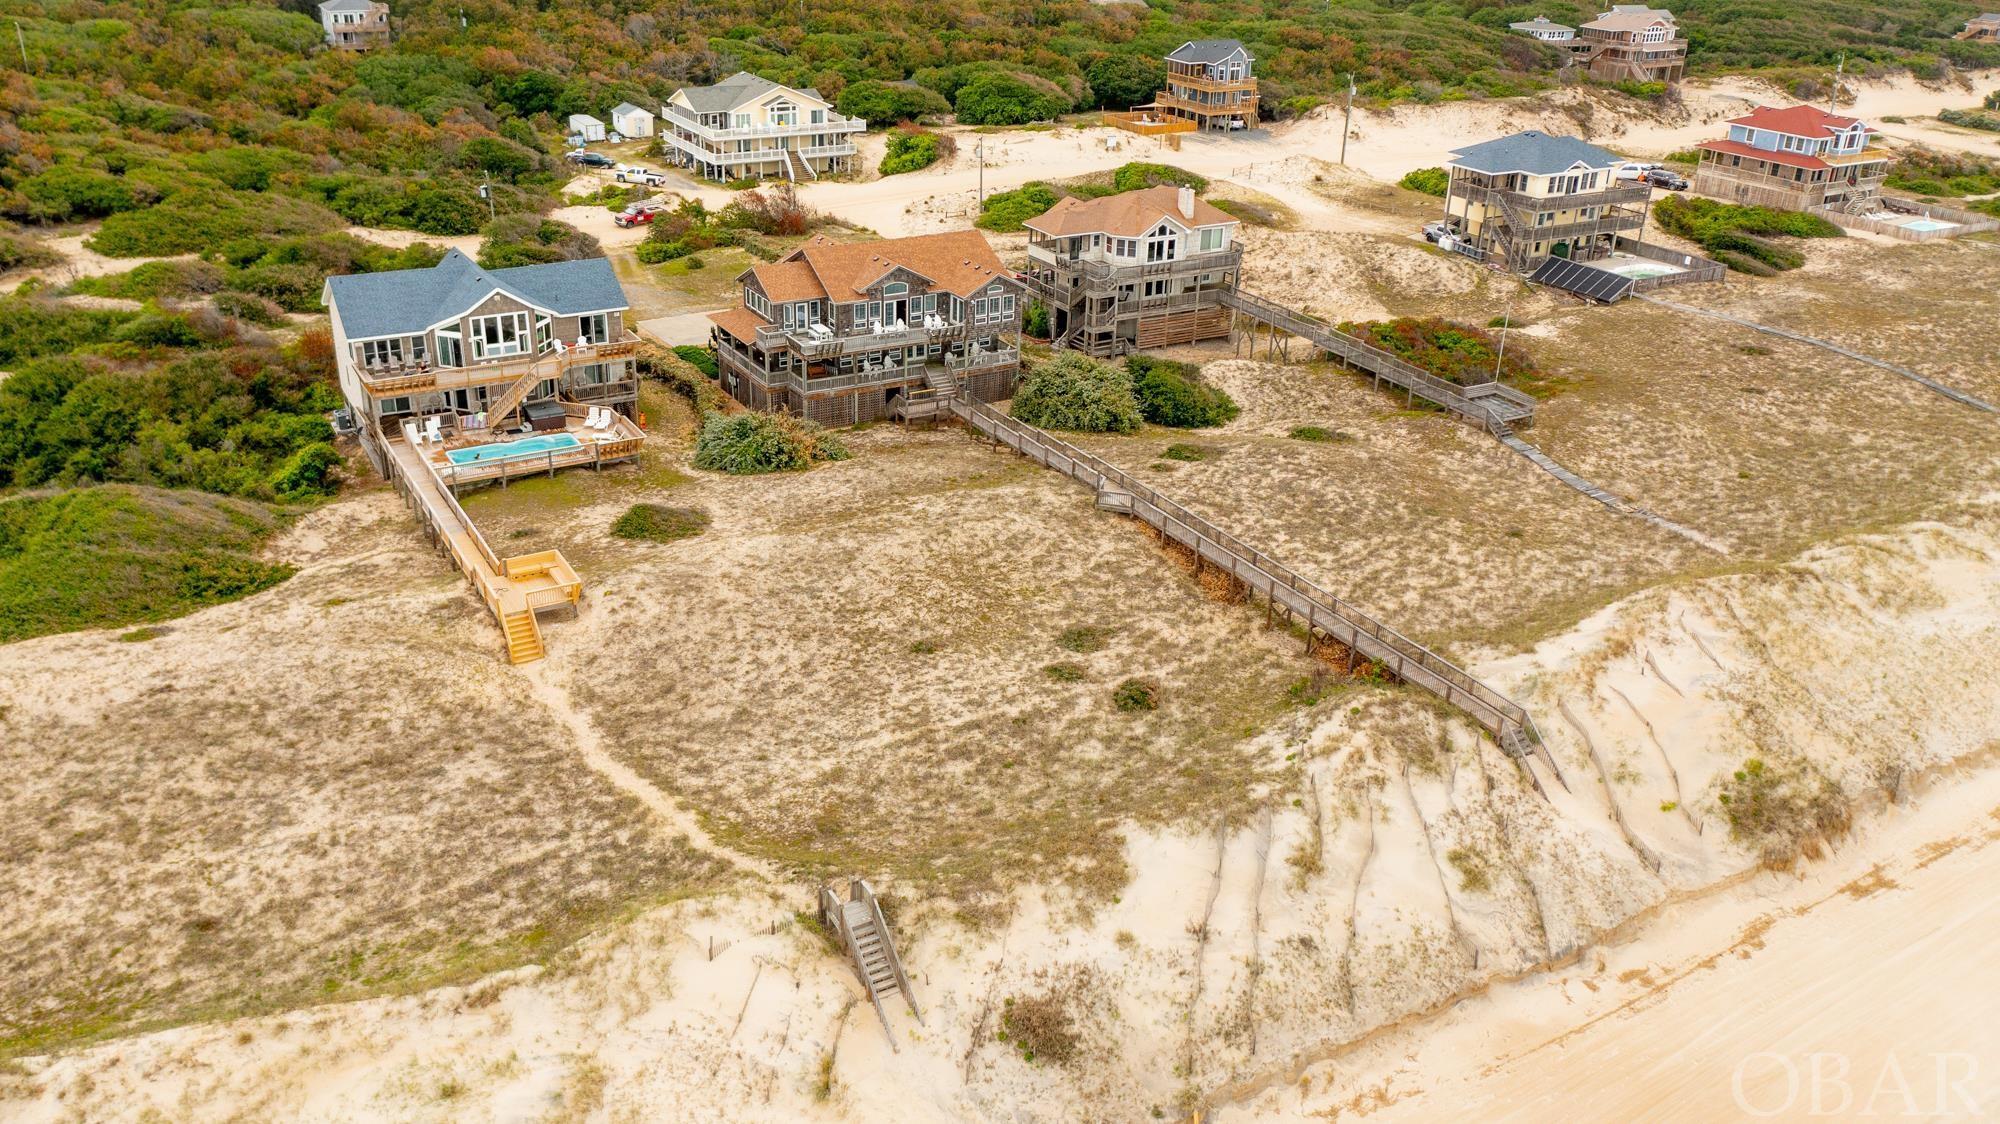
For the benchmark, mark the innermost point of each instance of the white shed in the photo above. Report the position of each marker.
(632, 121)
(585, 126)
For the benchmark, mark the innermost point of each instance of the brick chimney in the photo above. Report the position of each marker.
(1187, 202)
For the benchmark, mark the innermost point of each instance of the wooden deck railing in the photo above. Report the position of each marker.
(1410, 661)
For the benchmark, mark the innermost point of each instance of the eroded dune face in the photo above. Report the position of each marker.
(1402, 862)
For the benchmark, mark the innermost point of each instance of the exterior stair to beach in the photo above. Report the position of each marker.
(864, 932)
(524, 636)
(941, 381)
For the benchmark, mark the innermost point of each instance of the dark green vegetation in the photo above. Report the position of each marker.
(1970, 119)
(911, 148)
(96, 557)
(1457, 352)
(1005, 211)
(651, 522)
(1172, 394)
(1731, 234)
(513, 240)
(749, 444)
(1430, 181)
(1785, 811)
(1136, 695)
(1940, 175)
(1076, 392)
(244, 421)
(251, 277)
(691, 227)
(700, 358)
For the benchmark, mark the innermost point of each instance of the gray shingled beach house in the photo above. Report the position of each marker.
(481, 350)
(1522, 199)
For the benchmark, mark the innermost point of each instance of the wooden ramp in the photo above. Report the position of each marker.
(1323, 614)
(515, 589)
(1487, 404)
(864, 932)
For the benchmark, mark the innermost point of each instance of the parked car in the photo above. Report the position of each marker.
(1635, 169)
(639, 214)
(1660, 177)
(631, 173)
(590, 159)
(1435, 231)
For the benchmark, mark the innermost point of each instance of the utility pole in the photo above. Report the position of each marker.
(1506, 322)
(21, 39)
(1833, 96)
(1347, 119)
(980, 150)
(486, 193)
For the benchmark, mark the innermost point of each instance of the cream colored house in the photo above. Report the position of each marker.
(747, 127)
(1520, 200)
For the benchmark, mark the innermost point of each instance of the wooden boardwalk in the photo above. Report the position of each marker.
(1322, 614)
(1548, 464)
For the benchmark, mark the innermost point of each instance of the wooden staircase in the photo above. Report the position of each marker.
(796, 168)
(497, 411)
(524, 636)
(941, 381)
(859, 923)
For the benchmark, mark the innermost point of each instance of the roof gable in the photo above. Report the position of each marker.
(1209, 51)
(1128, 214)
(958, 262)
(409, 301)
(1797, 121)
(1534, 153)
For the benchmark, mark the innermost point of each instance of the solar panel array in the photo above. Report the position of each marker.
(1585, 281)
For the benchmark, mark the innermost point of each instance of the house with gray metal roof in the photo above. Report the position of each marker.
(1210, 82)
(355, 25)
(484, 349)
(1519, 200)
(747, 127)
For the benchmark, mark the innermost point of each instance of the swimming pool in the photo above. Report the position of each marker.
(1928, 224)
(508, 450)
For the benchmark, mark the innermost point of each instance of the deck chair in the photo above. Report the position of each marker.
(434, 430)
(410, 433)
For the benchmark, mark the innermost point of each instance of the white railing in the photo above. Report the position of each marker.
(834, 124)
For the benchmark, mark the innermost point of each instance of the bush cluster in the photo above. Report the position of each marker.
(1005, 211)
(1923, 171)
(1430, 181)
(249, 274)
(911, 148)
(700, 358)
(882, 104)
(1076, 392)
(1456, 352)
(1730, 232)
(512, 240)
(652, 522)
(750, 443)
(1172, 394)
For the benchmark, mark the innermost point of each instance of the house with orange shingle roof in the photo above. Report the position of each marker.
(1799, 158)
(849, 332)
(1133, 271)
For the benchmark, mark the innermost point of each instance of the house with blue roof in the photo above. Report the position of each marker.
(483, 351)
(1519, 200)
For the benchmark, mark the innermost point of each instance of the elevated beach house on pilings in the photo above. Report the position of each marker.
(1796, 159)
(749, 127)
(1133, 271)
(1632, 43)
(1522, 199)
(1209, 82)
(483, 352)
(844, 333)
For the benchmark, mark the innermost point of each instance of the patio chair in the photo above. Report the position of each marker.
(434, 429)
(410, 433)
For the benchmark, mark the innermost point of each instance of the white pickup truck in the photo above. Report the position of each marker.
(632, 173)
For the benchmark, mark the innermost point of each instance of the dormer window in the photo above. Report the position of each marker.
(783, 114)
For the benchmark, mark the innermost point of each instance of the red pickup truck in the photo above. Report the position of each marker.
(639, 214)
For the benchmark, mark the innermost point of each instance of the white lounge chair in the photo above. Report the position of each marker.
(607, 419)
(590, 417)
(434, 430)
(410, 433)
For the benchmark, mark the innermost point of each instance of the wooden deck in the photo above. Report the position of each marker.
(514, 589)
(594, 449)
(1320, 612)
(1150, 124)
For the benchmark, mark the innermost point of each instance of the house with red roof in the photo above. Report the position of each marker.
(1799, 158)
(852, 332)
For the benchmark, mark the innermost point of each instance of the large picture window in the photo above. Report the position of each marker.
(382, 353)
(451, 350)
(494, 337)
(595, 328)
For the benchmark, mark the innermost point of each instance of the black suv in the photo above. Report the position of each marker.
(591, 159)
(1660, 177)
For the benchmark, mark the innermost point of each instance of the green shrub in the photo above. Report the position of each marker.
(1315, 433)
(681, 377)
(700, 358)
(1456, 352)
(1181, 451)
(1075, 392)
(114, 555)
(18, 251)
(993, 98)
(911, 148)
(882, 104)
(1066, 672)
(1083, 639)
(1005, 211)
(1430, 181)
(1172, 394)
(198, 220)
(651, 522)
(1136, 695)
(71, 191)
(1970, 119)
(1728, 231)
(155, 280)
(1138, 175)
(1035, 320)
(30, 326)
(308, 473)
(749, 444)
(1125, 80)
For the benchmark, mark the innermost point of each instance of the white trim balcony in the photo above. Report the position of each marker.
(833, 124)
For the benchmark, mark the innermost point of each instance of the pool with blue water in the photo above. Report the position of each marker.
(510, 450)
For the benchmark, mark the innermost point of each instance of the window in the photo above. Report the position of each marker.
(451, 350)
(502, 335)
(381, 353)
(895, 289)
(1156, 288)
(819, 116)
(1213, 238)
(783, 114)
(741, 121)
(595, 328)
(1163, 244)
(400, 405)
